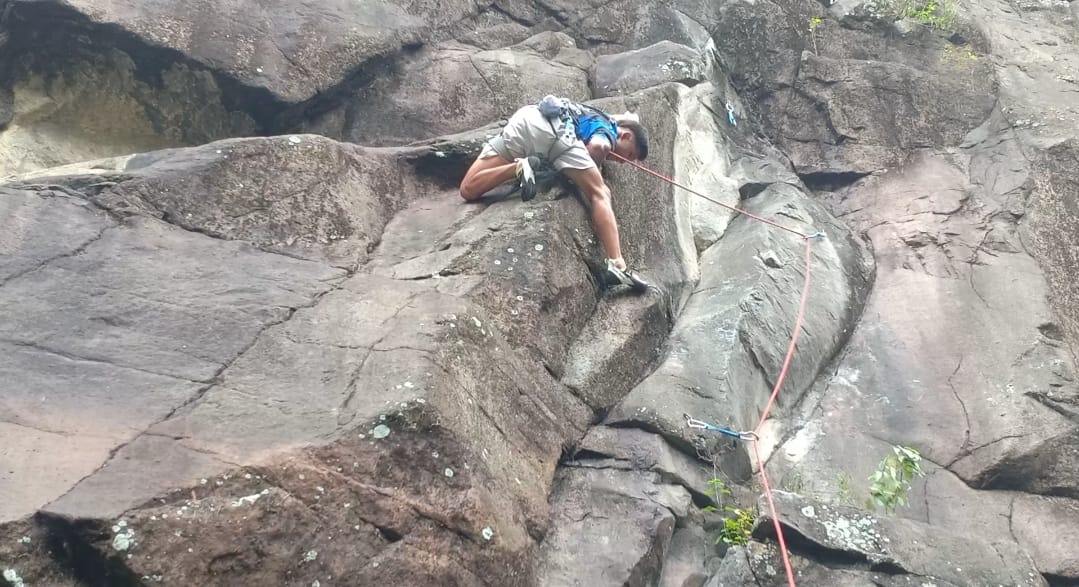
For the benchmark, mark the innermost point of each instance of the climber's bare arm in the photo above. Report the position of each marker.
(598, 150)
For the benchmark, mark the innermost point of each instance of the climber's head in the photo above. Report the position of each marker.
(632, 141)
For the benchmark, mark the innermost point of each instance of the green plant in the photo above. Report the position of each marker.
(813, 24)
(935, 13)
(794, 483)
(958, 55)
(843, 481)
(738, 522)
(717, 490)
(738, 527)
(891, 481)
(940, 15)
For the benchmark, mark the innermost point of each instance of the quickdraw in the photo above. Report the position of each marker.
(702, 425)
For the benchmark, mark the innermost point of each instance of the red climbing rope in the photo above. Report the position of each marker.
(768, 409)
(808, 239)
(700, 195)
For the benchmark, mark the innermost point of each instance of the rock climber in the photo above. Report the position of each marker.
(573, 138)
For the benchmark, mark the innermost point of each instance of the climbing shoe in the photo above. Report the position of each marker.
(526, 176)
(614, 277)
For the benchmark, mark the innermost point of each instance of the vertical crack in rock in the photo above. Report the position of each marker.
(966, 415)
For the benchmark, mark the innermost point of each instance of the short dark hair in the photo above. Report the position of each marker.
(640, 136)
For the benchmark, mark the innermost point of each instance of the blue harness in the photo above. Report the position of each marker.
(581, 121)
(590, 124)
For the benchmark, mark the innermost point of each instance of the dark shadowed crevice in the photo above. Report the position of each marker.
(71, 542)
(445, 167)
(830, 181)
(71, 35)
(1052, 331)
(1060, 581)
(751, 190)
(798, 543)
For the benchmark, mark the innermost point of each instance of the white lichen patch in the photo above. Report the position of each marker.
(13, 578)
(310, 556)
(123, 536)
(248, 499)
(854, 533)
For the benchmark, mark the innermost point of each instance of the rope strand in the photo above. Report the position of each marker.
(714, 201)
(808, 240)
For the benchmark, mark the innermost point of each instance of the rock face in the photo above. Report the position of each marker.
(328, 359)
(453, 88)
(254, 337)
(861, 549)
(1053, 217)
(625, 73)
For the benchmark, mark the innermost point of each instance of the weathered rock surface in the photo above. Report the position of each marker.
(838, 545)
(740, 316)
(628, 517)
(625, 73)
(686, 556)
(1051, 229)
(1031, 516)
(452, 88)
(407, 340)
(26, 558)
(292, 360)
(326, 202)
(956, 239)
(634, 449)
(290, 51)
(614, 27)
(93, 105)
(249, 370)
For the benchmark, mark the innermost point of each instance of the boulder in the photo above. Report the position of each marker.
(1045, 527)
(893, 545)
(627, 518)
(404, 374)
(740, 315)
(452, 87)
(325, 202)
(95, 104)
(289, 52)
(1051, 230)
(827, 126)
(838, 97)
(623, 25)
(295, 361)
(632, 449)
(625, 73)
(759, 564)
(685, 562)
(246, 373)
(945, 270)
(93, 80)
